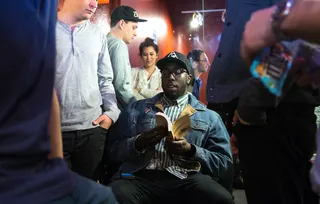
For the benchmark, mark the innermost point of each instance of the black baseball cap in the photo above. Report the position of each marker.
(125, 13)
(176, 57)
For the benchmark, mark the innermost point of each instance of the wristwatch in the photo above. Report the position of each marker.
(280, 13)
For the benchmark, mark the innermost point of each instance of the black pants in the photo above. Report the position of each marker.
(158, 187)
(83, 150)
(153, 187)
(226, 112)
(275, 157)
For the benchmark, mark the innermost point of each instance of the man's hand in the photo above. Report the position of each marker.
(138, 90)
(257, 34)
(151, 138)
(223, 16)
(104, 121)
(236, 118)
(234, 146)
(179, 146)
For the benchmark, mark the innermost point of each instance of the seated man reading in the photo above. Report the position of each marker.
(157, 167)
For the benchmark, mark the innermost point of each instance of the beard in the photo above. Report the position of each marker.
(174, 95)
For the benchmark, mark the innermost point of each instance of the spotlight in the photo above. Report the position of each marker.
(197, 20)
(194, 24)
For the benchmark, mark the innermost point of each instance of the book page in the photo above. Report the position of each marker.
(163, 120)
(181, 126)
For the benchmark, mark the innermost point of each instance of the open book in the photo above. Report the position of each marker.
(180, 127)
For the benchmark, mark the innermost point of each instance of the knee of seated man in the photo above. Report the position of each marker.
(123, 190)
(118, 186)
(211, 191)
(89, 191)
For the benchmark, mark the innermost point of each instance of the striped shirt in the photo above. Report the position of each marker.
(162, 160)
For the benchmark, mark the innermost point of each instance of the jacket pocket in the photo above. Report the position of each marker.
(198, 133)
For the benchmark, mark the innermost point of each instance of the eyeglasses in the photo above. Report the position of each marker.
(175, 72)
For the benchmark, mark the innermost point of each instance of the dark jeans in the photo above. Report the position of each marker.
(275, 157)
(226, 112)
(153, 187)
(83, 150)
(87, 192)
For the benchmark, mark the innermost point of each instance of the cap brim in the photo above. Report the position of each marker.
(142, 20)
(136, 20)
(161, 63)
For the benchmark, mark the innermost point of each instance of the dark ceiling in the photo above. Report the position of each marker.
(207, 40)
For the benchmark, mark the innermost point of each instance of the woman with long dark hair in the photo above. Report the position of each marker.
(146, 80)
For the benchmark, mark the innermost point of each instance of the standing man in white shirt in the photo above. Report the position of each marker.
(124, 24)
(84, 86)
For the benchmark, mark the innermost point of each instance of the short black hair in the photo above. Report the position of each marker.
(195, 55)
(114, 23)
(148, 42)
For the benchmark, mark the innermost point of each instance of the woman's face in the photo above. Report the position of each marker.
(149, 57)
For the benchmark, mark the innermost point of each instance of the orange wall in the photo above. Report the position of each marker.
(103, 1)
(102, 17)
(158, 19)
(175, 33)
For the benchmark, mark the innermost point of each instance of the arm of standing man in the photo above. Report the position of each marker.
(122, 74)
(109, 100)
(55, 129)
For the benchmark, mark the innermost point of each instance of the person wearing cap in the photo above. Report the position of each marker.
(200, 63)
(157, 169)
(124, 24)
(83, 83)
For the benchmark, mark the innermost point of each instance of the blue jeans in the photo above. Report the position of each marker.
(87, 191)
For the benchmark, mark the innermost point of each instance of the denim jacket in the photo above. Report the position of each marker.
(208, 135)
